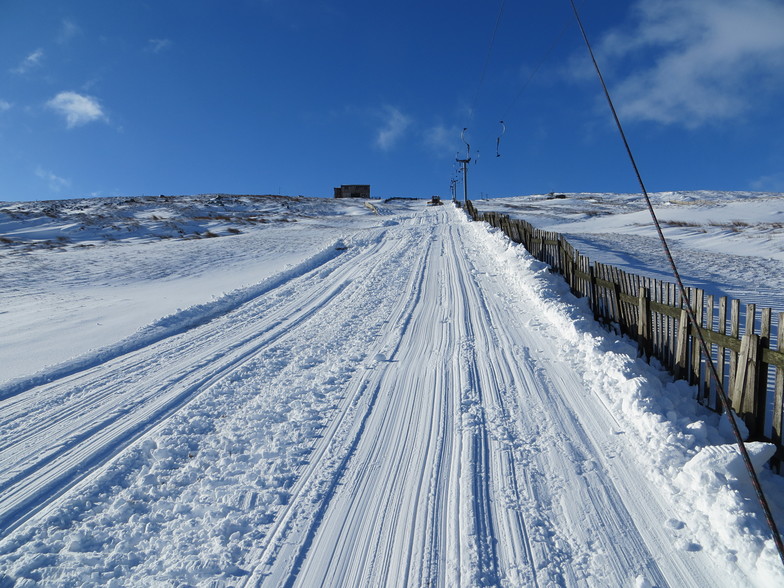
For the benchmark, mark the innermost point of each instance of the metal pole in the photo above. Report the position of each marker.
(464, 163)
(465, 181)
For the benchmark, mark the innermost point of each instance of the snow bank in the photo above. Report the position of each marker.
(172, 324)
(186, 503)
(678, 442)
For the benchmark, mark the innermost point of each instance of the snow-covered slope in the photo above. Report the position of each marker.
(727, 243)
(351, 399)
(77, 275)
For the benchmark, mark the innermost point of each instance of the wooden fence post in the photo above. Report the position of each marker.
(623, 311)
(669, 327)
(697, 299)
(516, 231)
(593, 292)
(561, 255)
(615, 296)
(706, 382)
(762, 378)
(778, 396)
(722, 351)
(682, 346)
(570, 269)
(644, 323)
(735, 334)
(744, 391)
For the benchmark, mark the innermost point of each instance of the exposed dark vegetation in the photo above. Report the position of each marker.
(94, 221)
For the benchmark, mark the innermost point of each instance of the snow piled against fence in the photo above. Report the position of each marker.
(684, 447)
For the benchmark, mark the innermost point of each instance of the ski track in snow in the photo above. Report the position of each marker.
(394, 410)
(457, 415)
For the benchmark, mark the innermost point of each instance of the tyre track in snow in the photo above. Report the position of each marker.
(55, 435)
(472, 465)
(472, 454)
(278, 558)
(388, 422)
(418, 471)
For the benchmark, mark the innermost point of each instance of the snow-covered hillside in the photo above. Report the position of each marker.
(83, 274)
(340, 396)
(727, 243)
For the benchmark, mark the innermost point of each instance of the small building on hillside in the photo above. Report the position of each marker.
(353, 191)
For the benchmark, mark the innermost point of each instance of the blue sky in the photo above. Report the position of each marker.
(296, 96)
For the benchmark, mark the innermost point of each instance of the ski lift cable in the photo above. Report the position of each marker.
(727, 406)
(487, 59)
(519, 93)
(556, 41)
(538, 67)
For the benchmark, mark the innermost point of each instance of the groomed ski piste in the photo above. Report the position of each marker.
(388, 397)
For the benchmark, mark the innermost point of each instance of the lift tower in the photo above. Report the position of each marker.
(464, 164)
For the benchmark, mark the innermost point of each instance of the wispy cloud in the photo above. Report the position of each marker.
(30, 62)
(394, 126)
(55, 183)
(712, 58)
(442, 140)
(770, 183)
(158, 45)
(68, 30)
(5, 105)
(77, 109)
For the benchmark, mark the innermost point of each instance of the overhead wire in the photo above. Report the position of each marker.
(727, 406)
(536, 69)
(504, 117)
(487, 59)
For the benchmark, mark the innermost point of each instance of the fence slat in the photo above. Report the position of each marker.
(762, 378)
(744, 391)
(735, 334)
(697, 301)
(778, 397)
(722, 350)
(681, 348)
(670, 332)
(644, 323)
(706, 383)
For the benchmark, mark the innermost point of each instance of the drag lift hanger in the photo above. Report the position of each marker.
(468, 145)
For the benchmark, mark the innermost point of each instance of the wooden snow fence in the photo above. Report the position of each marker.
(744, 342)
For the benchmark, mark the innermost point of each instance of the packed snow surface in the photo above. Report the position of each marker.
(330, 394)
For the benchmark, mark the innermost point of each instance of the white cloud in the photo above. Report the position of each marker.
(442, 139)
(712, 58)
(394, 127)
(56, 183)
(771, 183)
(77, 109)
(31, 61)
(4, 105)
(68, 30)
(158, 45)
